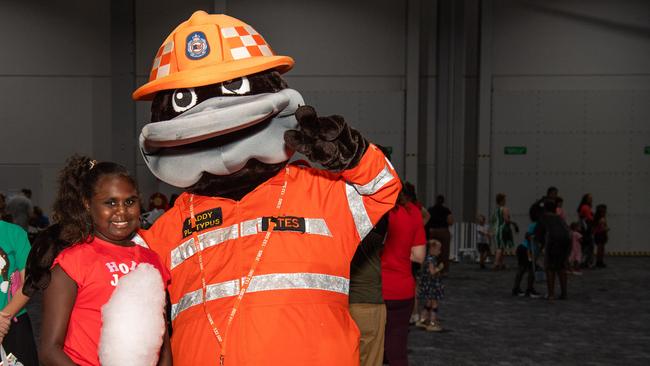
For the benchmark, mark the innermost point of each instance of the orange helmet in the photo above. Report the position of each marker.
(208, 49)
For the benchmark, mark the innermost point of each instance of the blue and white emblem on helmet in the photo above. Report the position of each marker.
(197, 46)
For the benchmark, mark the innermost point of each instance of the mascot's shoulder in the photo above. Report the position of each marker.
(303, 170)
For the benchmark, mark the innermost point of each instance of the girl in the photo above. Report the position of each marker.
(576, 251)
(600, 234)
(586, 227)
(502, 230)
(97, 211)
(431, 289)
(483, 235)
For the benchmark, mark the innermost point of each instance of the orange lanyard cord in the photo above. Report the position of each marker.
(247, 280)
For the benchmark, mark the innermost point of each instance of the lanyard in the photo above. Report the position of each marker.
(247, 280)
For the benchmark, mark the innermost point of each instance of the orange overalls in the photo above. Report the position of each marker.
(295, 311)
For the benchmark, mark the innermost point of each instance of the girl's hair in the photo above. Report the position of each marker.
(501, 198)
(574, 226)
(74, 224)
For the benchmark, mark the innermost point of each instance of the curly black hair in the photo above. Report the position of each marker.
(74, 224)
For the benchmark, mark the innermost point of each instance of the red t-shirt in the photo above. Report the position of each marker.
(405, 230)
(585, 213)
(96, 267)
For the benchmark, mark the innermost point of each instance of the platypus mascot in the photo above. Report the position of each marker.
(259, 249)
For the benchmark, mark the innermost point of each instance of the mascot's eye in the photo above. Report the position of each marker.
(183, 99)
(237, 86)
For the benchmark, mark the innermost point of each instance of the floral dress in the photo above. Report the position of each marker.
(431, 287)
(502, 230)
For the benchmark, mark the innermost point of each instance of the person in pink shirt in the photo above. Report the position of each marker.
(576, 249)
(586, 216)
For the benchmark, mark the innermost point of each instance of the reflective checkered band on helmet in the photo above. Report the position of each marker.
(245, 42)
(162, 62)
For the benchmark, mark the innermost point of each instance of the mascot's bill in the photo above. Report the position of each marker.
(259, 249)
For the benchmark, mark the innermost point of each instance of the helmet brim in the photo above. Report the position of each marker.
(213, 74)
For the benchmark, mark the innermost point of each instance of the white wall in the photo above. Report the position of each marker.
(571, 82)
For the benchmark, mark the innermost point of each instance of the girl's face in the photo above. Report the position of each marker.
(115, 209)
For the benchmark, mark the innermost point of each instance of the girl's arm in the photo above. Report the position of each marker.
(18, 300)
(432, 269)
(58, 300)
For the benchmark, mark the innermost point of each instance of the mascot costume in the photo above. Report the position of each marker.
(259, 249)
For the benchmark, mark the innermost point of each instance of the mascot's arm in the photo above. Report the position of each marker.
(373, 184)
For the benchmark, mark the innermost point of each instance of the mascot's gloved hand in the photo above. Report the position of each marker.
(328, 141)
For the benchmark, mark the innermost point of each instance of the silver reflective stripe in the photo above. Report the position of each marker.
(317, 226)
(207, 240)
(312, 226)
(299, 281)
(267, 282)
(374, 185)
(138, 240)
(251, 227)
(358, 210)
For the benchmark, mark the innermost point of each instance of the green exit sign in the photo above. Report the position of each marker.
(647, 150)
(515, 150)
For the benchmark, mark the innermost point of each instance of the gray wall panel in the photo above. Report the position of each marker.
(337, 37)
(571, 37)
(55, 37)
(45, 119)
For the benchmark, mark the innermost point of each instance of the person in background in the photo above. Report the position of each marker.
(431, 289)
(367, 306)
(576, 249)
(553, 233)
(438, 229)
(16, 333)
(501, 230)
(405, 243)
(526, 254)
(601, 234)
(483, 240)
(586, 229)
(559, 201)
(38, 219)
(157, 207)
(20, 208)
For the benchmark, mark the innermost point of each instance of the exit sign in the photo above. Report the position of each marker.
(515, 150)
(647, 150)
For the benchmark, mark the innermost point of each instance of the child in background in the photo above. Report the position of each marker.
(600, 234)
(431, 289)
(98, 210)
(483, 240)
(576, 249)
(526, 255)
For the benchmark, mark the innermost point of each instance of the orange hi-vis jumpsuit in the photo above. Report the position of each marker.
(295, 311)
